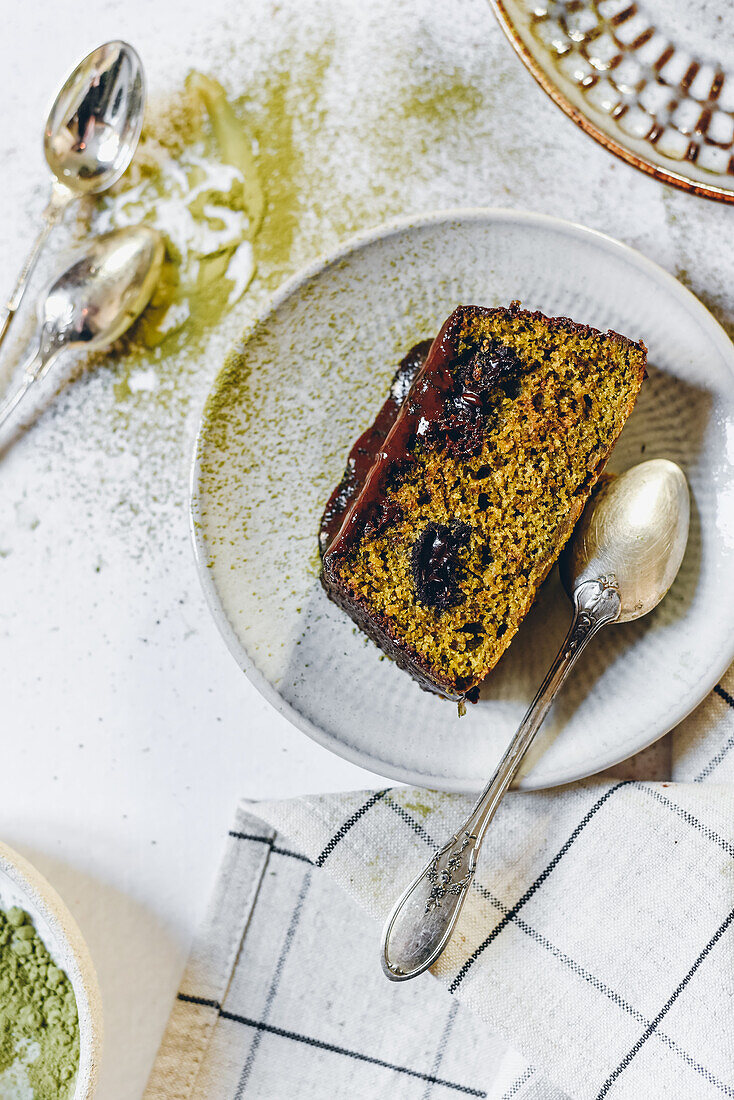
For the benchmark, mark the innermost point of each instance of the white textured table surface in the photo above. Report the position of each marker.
(128, 731)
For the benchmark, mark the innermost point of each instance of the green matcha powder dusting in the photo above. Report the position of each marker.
(194, 178)
(39, 1026)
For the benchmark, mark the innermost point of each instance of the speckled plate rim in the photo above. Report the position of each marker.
(671, 718)
(77, 962)
(693, 187)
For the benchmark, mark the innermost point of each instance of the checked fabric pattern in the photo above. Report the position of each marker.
(594, 957)
(282, 998)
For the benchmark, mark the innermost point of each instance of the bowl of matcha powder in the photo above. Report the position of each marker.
(50, 1007)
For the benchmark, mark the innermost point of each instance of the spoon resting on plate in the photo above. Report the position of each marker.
(94, 301)
(622, 558)
(90, 137)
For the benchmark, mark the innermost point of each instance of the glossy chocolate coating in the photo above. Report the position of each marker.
(364, 452)
(446, 407)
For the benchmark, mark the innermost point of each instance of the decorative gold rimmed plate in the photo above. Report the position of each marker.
(652, 81)
(307, 379)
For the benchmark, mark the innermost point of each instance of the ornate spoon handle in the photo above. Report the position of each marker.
(34, 369)
(422, 922)
(61, 196)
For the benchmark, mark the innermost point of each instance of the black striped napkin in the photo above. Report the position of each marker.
(593, 957)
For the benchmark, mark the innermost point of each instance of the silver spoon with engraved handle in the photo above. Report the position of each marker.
(94, 301)
(623, 557)
(90, 137)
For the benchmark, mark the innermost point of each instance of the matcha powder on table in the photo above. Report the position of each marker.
(39, 1025)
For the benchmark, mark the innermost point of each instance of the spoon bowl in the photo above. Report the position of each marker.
(100, 295)
(636, 527)
(95, 300)
(94, 125)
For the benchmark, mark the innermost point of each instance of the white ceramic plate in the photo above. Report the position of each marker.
(22, 885)
(652, 81)
(310, 376)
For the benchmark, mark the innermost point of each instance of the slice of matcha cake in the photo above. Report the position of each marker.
(458, 500)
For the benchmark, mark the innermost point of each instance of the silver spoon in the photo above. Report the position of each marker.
(89, 140)
(622, 559)
(94, 301)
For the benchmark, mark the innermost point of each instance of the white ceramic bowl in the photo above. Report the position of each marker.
(22, 885)
(306, 380)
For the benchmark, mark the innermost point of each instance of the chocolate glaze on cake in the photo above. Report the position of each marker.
(444, 406)
(364, 451)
